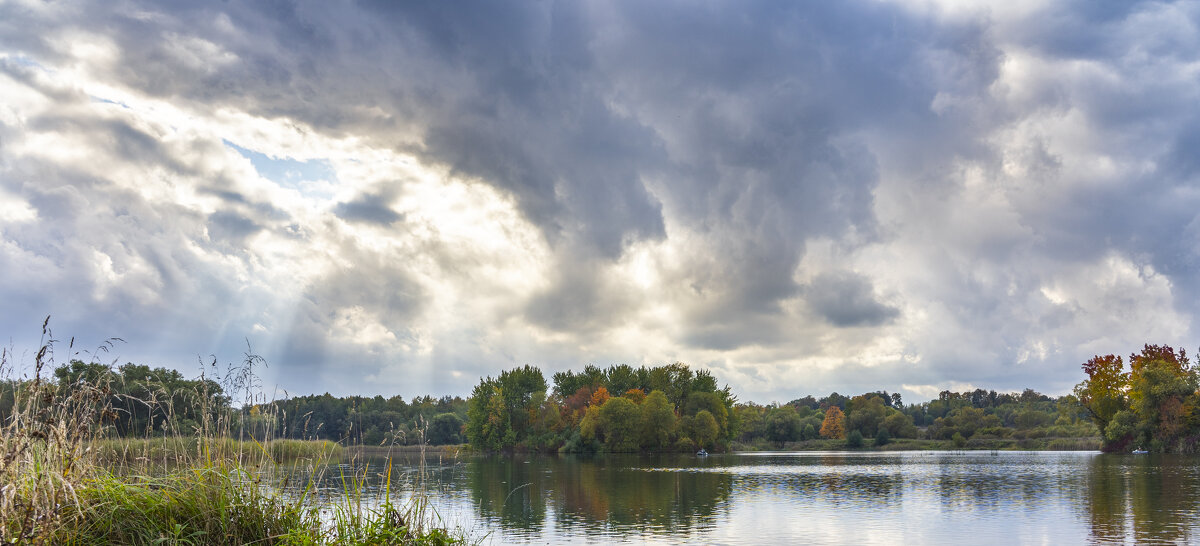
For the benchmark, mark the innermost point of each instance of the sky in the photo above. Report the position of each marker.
(802, 197)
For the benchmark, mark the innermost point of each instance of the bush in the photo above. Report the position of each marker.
(882, 438)
(854, 439)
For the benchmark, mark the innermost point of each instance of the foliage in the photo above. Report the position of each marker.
(834, 424)
(620, 408)
(783, 425)
(705, 429)
(658, 421)
(1151, 406)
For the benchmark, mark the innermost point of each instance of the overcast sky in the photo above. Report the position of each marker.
(402, 197)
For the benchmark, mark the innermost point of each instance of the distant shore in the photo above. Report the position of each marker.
(911, 444)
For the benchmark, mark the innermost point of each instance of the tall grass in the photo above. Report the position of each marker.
(65, 478)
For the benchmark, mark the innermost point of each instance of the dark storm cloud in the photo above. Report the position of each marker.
(847, 299)
(368, 208)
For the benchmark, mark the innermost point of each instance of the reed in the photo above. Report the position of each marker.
(66, 478)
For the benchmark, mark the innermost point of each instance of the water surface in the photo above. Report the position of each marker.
(814, 498)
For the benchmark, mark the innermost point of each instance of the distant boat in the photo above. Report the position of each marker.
(701, 453)
(1140, 451)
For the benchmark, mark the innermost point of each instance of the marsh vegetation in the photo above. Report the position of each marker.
(89, 455)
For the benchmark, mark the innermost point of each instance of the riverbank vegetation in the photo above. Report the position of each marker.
(89, 455)
(1150, 405)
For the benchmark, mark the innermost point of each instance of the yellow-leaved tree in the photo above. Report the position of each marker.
(834, 425)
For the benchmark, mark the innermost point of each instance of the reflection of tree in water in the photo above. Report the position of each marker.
(1149, 499)
(612, 494)
(510, 489)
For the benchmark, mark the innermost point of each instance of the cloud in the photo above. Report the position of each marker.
(408, 196)
(847, 299)
(368, 208)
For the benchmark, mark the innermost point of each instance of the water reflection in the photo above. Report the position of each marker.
(1144, 499)
(815, 498)
(613, 495)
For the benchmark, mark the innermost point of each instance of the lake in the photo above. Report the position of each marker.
(814, 498)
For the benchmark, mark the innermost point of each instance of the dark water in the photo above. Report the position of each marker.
(813, 498)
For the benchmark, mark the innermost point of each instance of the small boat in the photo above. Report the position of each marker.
(1140, 451)
(701, 453)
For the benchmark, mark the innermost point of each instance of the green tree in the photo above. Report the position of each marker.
(621, 420)
(488, 424)
(446, 428)
(783, 425)
(864, 413)
(899, 425)
(658, 421)
(704, 429)
(1103, 393)
(522, 389)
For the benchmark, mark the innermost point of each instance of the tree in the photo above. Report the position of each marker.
(521, 389)
(621, 421)
(658, 421)
(899, 425)
(834, 425)
(704, 429)
(488, 425)
(783, 425)
(1103, 393)
(446, 428)
(864, 413)
(712, 403)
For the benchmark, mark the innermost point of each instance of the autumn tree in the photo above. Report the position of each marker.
(834, 425)
(1103, 394)
(1162, 391)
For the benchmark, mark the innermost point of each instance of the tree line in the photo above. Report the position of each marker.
(1150, 404)
(674, 408)
(149, 402)
(617, 409)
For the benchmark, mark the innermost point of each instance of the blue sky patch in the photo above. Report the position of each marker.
(285, 171)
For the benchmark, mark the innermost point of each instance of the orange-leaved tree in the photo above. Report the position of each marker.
(834, 425)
